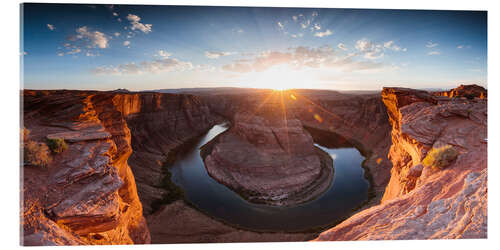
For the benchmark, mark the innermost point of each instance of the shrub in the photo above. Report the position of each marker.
(37, 154)
(439, 158)
(57, 145)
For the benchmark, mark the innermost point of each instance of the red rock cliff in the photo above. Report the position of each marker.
(421, 202)
(88, 194)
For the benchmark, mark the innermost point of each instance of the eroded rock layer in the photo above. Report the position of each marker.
(87, 194)
(269, 160)
(334, 118)
(424, 202)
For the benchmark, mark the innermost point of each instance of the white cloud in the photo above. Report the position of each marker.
(297, 58)
(388, 44)
(434, 53)
(341, 46)
(51, 27)
(364, 45)
(431, 44)
(60, 54)
(155, 66)
(119, 19)
(317, 26)
(163, 54)
(305, 24)
(126, 43)
(369, 50)
(322, 34)
(282, 26)
(117, 34)
(136, 24)
(95, 38)
(216, 55)
(115, 14)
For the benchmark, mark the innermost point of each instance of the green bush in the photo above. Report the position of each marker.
(57, 145)
(439, 158)
(36, 154)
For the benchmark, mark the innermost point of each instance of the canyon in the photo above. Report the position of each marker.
(106, 188)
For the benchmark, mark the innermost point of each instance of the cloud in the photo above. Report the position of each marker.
(322, 34)
(388, 44)
(432, 53)
(136, 24)
(306, 57)
(281, 26)
(60, 54)
(431, 45)
(154, 66)
(463, 46)
(216, 55)
(238, 67)
(317, 26)
(51, 27)
(95, 38)
(115, 14)
(163, 54)
(117, 34)
(369, 49)
(297, 58)
(126, 43)
(305, 24)
(341, 46)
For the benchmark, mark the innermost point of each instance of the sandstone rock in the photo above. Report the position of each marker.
(88, 194)
(419, 202)
(269, 160)
(80, 136)
(179, 223)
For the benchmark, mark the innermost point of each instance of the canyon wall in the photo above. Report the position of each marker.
(330, 116)
(422, 201)
(87, 195)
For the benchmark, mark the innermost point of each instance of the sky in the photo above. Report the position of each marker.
(145, 47)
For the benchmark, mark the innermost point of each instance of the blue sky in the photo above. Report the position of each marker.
(155, 47)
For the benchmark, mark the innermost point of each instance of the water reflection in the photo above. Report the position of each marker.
(348, 190)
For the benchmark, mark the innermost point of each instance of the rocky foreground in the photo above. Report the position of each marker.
(269, 160)
(101, 189)
(423, 202)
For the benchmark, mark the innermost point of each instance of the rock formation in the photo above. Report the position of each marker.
(269, 160)
(467, 91)
(421, 202)
(358, 119)
(87, 195)
(180, 223)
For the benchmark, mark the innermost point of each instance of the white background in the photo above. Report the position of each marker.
(9, 97)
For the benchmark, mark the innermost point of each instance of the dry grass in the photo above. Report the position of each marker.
(36, 154)
(440, 158)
